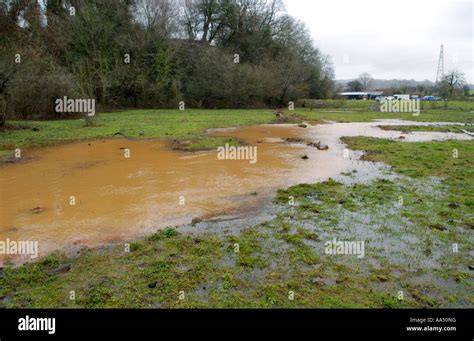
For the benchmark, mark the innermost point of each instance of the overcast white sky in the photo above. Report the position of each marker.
(391, 38)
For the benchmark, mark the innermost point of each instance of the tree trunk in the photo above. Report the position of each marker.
(3, 112)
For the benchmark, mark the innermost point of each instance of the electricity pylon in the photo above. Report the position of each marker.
(440, 73)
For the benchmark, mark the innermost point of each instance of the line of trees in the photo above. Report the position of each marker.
(155, 53)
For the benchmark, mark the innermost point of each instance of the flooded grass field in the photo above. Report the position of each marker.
(401, 191)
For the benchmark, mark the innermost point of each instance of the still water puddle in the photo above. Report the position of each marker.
(118, 198)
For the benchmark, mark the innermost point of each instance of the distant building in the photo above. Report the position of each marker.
(402, 97)
(362, 94)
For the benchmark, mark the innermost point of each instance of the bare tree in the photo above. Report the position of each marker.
(453, 80)
(366, 80)
(157, 15)
(224, 20)
(189, 18)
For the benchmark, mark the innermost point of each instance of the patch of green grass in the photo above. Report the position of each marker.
(443, 129)
(250, 248)
(450, 161)
(365, 111)
(170, 232)
(152, 275)
(318, 197)
(391, 302)
(419, 159)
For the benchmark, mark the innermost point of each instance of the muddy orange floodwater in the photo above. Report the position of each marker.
(116, 198)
